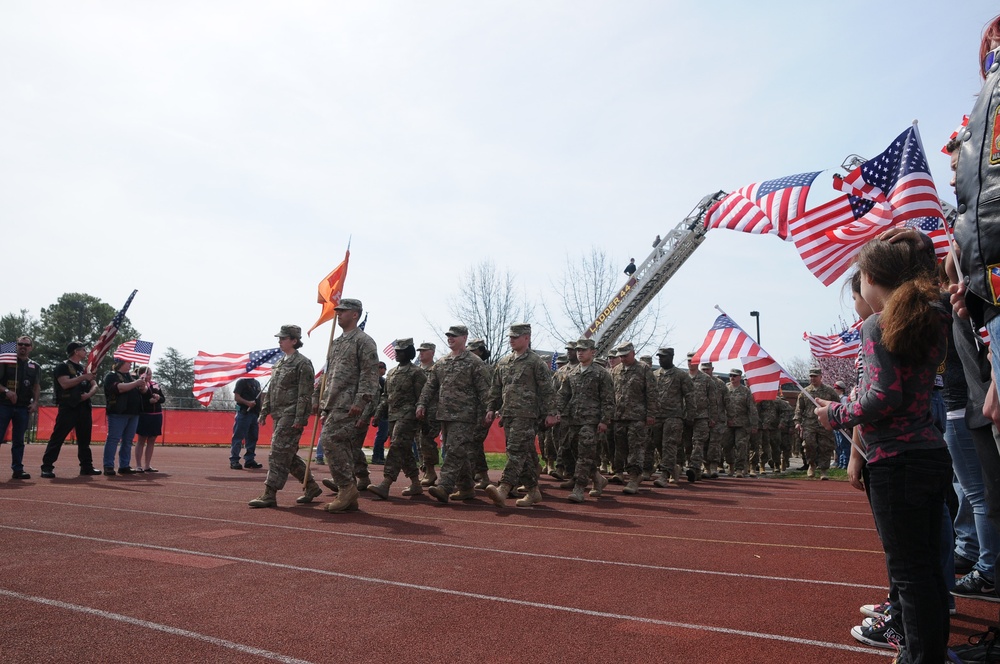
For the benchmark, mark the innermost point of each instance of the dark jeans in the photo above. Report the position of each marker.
(245, 427)
(19, 417)
(70, 418)
(908, 496)
(378, 447)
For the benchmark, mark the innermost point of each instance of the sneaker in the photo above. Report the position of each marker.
(963, 565)
(881, 634)
(876, 610)
(975, 586)
(252, 464)
(982, 647)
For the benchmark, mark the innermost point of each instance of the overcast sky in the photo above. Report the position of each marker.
(218, 156)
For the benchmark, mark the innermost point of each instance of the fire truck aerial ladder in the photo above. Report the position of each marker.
(650, 276)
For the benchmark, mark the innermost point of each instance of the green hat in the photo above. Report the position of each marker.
(426, 346)
(457, 331)
(815, 371)
(293, 331)
(585, 344)
(476, 344)
(572, 345)
(625, 349)
(518, 329)
(348, 304)
(402, 344)
(735, 372)
(666, 351)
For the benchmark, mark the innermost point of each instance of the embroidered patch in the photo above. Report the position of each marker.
(995, 142)
(994, 272)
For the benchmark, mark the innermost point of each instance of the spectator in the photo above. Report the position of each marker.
(73, 389)
(123, 393)
(150, 422)
(246, 427)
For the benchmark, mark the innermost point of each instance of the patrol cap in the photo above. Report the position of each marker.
(572, 345)
(457, 331)
(667, 351)
(293, 331)
(840, 384)
(518, 329)
(585, 344)
(476, 344)
(648, 359)
(735, 372)
(815, 371)
(426, 346)
(603, 361)
(707, 365)
(349, 305)
(612, 353)
(73, 346)
(625, 349)
(562, 359)
(402, 344)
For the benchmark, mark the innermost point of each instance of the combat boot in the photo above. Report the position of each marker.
(692, 474)
(533, 498)
(763, 469)
(498, 493)
(463, 494)
(617, 478)
(738, 474)
(414, 489)
(364, 482)
(439, 492)
(632, 487)
(577, 495)
(646, 476)
(312, 491)
(330, 484)
(381, 489)
(812, 470)
(482, 481)
(822, 474)
(346, 500)
(568, 484)
(751, 473)
(599, 483)
(266, 499)
(430, 478)
(663, 481)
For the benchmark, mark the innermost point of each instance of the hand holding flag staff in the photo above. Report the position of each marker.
(726, 340)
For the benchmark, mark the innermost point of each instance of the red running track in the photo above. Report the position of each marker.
(174, 566)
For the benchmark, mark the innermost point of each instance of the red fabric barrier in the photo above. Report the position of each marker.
(210, 427)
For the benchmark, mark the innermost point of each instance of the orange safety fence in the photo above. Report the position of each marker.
(209, 427)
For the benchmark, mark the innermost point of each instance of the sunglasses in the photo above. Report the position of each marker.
(23, 344)
(989, 60)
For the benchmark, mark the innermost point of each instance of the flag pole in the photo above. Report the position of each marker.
(802, 390)
(944, 219)
(319, 404)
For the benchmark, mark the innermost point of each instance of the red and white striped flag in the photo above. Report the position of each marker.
(728, 341)
(763, 207)
(214, 371)
(845, 344)
(389, 351)
(103, 344)
(137, 351)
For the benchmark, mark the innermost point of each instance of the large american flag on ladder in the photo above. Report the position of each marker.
(763, 207)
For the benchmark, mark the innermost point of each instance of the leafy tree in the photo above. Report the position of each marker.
(75, 316)
(175, 374)
(13, 326)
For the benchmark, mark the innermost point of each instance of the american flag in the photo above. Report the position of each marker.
(894, 187)
(214, 371)
(934, 228)
(763, 207)
(553, 363)
(137, 351)
(389, 351)
(103, 344)
(844, 344)
(954, 134)
(728, 341)
(8, 352)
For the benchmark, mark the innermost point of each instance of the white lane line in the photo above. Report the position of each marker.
(167, 629)
(466, 594)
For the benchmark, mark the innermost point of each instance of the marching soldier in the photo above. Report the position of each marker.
(819, 442)
(635, 409)
(702, 416)
(717, 419)
(429, 426)
(673, 392)
(741, 421)
(786, 431)
(479, 464)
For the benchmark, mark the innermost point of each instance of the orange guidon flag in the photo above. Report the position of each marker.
(330, 291)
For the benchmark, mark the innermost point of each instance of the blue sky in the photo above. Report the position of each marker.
(218, 156)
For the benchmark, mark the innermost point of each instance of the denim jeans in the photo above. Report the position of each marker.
(19, 417)
(382, 435)
(244, 428)
(121, 428)
(908, 497)
(968, 470)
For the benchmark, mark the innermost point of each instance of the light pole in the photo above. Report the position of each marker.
(756, 314)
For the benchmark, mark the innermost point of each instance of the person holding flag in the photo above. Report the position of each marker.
(289, 402)
(19, 392)
(73, 389)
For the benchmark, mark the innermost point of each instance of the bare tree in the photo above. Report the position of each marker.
(585, 289)
(799, 366)
(487, 303)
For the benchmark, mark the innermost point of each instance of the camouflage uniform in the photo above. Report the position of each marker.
(480, 466)
(288, 401)
(635, 400)
(351, 380)
(786, 430)
(701, 412)
(429, 429)
(741, 417)
(770, 444)
(522, 394)
(588, 396)
(566, 453)
(458, 386)
(819, 442)
(717, 429)
(403, 384)
(673, 390)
